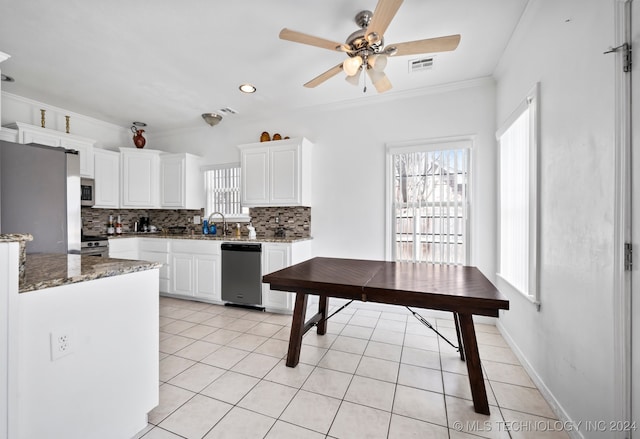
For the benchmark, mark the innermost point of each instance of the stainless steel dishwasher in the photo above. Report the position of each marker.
(242, 273)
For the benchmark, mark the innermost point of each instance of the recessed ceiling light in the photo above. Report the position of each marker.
(139, 124)
(6, 78)
(247, 88)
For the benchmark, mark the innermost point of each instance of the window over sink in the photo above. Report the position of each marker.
(222, 191)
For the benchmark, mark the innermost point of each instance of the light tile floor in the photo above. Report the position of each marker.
(377, 373)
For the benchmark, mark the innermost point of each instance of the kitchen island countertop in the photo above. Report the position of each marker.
(15, 237)
(51, 270)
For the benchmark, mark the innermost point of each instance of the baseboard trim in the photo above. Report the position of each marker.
(544, 390)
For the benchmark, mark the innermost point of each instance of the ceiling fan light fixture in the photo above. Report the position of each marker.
(354, 79)
(212, 118)
(377, 62)
(352, 65)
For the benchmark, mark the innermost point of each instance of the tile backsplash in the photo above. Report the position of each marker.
(296, 221)
(94, 221)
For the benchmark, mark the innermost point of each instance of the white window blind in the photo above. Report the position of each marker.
(430, 205)
(222, 191)
(518, 199)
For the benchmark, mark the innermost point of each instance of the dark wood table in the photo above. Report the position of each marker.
(464, 291)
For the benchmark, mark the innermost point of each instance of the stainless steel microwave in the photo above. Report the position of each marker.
(87, 192)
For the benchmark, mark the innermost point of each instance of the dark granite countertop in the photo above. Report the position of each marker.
(201, 237)
(51, 270)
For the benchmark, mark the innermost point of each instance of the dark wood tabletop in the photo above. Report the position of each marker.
(442, 287)
(462, 290)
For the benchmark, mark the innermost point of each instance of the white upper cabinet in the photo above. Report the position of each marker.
(140, 177)
(45, 136)
(107, 178)
(276, 173)
(181, 181)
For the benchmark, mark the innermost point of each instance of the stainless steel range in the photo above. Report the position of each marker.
(95, 246)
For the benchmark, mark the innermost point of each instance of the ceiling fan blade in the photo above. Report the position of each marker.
(299, 37)
(333, 71)
(430, 45)
(382, 16)
(380, 80)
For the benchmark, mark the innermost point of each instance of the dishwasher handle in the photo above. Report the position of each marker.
(238, 247)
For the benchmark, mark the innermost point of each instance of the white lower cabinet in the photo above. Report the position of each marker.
(157, 250)
(124, 248)
(195, 269)
(276, 256)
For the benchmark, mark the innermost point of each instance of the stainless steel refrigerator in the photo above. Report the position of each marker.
(40, 195)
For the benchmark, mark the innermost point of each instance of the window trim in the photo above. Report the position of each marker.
(532, 103)
(431, 144)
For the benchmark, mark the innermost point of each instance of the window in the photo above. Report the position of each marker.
(222, 191)
(518, 198)
(429, 202)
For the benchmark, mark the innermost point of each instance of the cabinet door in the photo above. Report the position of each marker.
(285, 175)
(207, 276)
(139, 179)
(107, 178)
(85, 151)
(182, 270)
(172, 182)
(255, 176)
(276, 257)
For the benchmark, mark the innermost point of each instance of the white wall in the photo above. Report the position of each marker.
(347, 216)
(569, 342)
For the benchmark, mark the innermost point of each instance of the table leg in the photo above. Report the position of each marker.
(297, 329)
(476, 380)
(323, 305)
(456, 319)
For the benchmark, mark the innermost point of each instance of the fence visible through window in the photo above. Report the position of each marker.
(430, 190)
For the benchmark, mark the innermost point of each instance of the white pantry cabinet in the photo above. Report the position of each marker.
(45, 136)
(140, 180)
(195, 269)
(181, 181)
(276, 173)
(107, 178)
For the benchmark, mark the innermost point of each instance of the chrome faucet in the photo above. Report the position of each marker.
(224, 222)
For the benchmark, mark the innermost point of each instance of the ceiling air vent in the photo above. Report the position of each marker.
(227, 110)
(417, 65)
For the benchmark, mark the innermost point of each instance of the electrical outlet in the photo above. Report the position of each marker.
(61, 343)
(196, 219)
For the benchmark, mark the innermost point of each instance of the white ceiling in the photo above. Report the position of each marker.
(166, 62)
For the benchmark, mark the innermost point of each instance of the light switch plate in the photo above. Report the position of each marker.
(196, 219)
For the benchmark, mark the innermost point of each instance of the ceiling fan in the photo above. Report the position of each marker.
(365, 47)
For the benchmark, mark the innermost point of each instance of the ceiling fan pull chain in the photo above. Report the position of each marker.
(364, 90)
